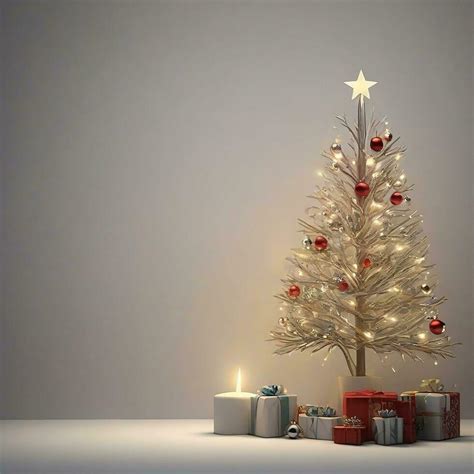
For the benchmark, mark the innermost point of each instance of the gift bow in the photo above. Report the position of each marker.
(272, 390)
(352, 421)
(365, 393)
(320, 411)
(431, 385)
(387, 413)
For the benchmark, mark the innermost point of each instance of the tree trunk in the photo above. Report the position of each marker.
(361, 252)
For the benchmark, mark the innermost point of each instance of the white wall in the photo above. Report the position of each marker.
(156, 158)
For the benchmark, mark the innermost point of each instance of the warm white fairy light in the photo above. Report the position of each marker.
(370, 161)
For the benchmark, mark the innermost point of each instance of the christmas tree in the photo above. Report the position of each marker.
(360, 279)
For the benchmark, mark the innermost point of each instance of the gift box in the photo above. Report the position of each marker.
(348, 434)
(387, 430)
(405, 407)
(270, 415)
(319, 427)
(365, 404)
(437, 415)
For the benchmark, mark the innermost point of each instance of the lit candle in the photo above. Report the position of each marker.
(232, 411)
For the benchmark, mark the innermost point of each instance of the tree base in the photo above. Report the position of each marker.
(351, 383)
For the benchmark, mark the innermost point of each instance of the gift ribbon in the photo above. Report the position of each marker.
(431, 385)
(320, 411)
(353, 422)
(272, 390)
(314, 430)
(283, 413)
(365, 393)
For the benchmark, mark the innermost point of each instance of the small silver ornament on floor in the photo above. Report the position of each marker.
(294, 430)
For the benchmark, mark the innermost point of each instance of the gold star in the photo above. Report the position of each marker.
(361, 86)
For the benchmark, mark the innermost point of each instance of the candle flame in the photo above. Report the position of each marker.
(238, 386)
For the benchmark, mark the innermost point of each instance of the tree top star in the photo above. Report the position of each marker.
(360, 87)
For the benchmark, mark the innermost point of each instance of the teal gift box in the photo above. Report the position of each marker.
(270, 415)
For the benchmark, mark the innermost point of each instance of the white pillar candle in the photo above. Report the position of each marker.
(232, 411)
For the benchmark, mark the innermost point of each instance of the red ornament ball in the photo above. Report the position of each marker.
(376, 143)
(321, 243)
(343, 285)
(362, 189)
(437, 327)
(388, 135)
(396, 199)
(294, 291)
(367, 263)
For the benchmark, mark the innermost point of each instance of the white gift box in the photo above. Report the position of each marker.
(319, 427)
(431, 411)
(387, 430)
(270, 415)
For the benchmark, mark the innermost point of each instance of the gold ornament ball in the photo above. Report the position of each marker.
(282, 321)
(336, 148)
(425, 289)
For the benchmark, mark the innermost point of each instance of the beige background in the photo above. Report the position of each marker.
(156, 158)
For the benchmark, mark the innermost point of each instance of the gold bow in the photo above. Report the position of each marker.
(431, 385)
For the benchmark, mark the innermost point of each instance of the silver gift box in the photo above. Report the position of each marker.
(319, 427)
(387, 430)
(270, 415)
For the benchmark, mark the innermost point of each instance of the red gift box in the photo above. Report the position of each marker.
(348, 434)
(365, 404)
(406, 408)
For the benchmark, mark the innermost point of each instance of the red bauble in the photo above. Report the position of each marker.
(294, 291)
(376, 143)
(362, 189)
(321, 243)
(437, 327)
(343, 285)
(396, 199)
(367, 263)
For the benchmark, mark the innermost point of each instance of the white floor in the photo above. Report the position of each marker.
(188, 446)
